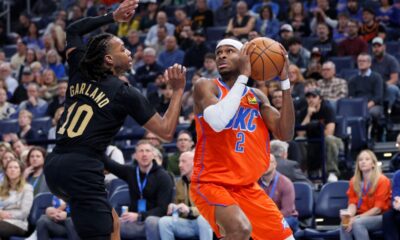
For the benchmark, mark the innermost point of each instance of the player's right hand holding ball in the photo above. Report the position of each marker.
(244, 60)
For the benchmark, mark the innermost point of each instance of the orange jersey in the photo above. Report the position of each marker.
(239, 154)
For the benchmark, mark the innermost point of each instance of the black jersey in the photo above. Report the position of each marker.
(95, 110)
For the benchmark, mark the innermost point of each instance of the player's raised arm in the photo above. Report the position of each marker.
(280, 123)
(165, 126)
(77, 29)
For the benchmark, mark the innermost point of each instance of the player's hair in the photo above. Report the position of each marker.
(92, 64)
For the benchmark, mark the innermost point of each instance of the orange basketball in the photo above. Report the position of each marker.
(266, 59)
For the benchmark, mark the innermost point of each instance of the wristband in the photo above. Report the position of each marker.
(285, 84)
(242, 79)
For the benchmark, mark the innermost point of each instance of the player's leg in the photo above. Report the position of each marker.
(116, 228)
(232, 222)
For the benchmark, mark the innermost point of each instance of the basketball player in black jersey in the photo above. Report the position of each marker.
(96, 106)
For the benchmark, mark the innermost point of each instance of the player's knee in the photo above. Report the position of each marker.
(241, 231)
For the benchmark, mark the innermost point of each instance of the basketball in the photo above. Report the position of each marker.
(110, 2)
(266, 58)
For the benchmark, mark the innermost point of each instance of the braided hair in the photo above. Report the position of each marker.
(92, 64)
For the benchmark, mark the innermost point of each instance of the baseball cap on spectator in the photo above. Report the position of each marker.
(286, 27)
(27, 71)
(199, 32)
(377, 40)
(315, 52)
(313, 92)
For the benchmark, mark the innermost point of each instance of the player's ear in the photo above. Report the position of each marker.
(108, 59)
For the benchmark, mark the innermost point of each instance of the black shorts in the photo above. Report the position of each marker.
(79, 180)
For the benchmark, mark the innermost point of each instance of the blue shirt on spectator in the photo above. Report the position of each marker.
(169, 58)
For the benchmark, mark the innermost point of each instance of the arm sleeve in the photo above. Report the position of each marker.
(219, 114)
(26, 204)
(382, 194)
(396, 184)
(139, 107)
(117, 169)
(164, 196)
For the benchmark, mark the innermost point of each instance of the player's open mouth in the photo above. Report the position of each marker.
(222, 65)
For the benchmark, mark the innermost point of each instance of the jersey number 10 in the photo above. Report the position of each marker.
(71, 130)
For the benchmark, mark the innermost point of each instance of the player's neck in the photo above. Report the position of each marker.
(229, 80)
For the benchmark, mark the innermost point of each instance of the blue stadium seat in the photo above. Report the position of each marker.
(114, 184)
(304, 202)
(215, 33)
(393, 47)
(120, 198)
(10, 50)
(41, 125)
(343, 62)
(308, 42)
(130, 123)
(348, 73)
(9, 126)
(330, 200)
(189, 75)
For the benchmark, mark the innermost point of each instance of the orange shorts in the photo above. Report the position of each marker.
(266, 220)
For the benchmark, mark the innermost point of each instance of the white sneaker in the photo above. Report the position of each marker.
(332, 178)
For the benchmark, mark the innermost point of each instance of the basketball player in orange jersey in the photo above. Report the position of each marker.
(232, 150)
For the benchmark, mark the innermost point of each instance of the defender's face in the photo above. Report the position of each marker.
(227, 58)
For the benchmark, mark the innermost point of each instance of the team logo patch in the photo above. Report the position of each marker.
(252, 100)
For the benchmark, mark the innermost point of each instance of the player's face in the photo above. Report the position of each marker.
(118, 57)
(227, 58)
(144, 154)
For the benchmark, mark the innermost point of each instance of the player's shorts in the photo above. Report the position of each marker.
(266, 220)
(79, 180)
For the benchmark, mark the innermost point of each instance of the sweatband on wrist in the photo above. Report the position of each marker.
(285, 84)
(242, 79)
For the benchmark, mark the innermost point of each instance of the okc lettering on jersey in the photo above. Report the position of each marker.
(244, 120)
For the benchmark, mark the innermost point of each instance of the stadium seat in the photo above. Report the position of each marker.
(330, 200)
(343, 62)
(189, 75)
(304, 202)
(308, 42)
(10, 50)
(348, 73)
(114, 185)
(9, 126)
(41, 125)
(215, 33)
(393, 47)
(120, 198)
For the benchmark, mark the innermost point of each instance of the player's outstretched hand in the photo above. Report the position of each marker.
(244, 60)
(176, 76)
(285, 70)
(125, 11)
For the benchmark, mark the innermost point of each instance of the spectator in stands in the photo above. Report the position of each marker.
(131, 40)
(202, 16)
(29, 59)
(253, 34)
(6, 109)
(332, 88)
(185, 38)
(289, 168)
(325, 44)
(132, 25)
(281, 190)
(16, 197)
(384, 12)
(161, 22)
(369, 198)
(298, 55)
(150, 189)
(296, 85)
(36, 68)
(6, 74)
(194, 56)
(323, 13)
(256, 6)
(367, 84)
(19, 57)
(224, 13)
(184, 143)
(353, 9)
(353, 44)
(391, 219)
(20, 93)
(209, 70)
(388, 67)
(54, 63)
(58, 100)
(4, 146)
(48, 88)
(242, 23)
(298, 19)
(20, 148)
(156, 142)
(55, 222)
(34, 104)
(187, 99)
(319, 111)
(285, 33)
(370, 28)
(159, 44)
(165, 98)
(172, 54)
(34, 171)
(339, 32)
(266, 24)
(149, 18)
(190, 223)
(149, 71)
(182, 20)
(5, 157)
(51, 135)
(22, 27)
(32, 38)
(25, 128)
(74, 14)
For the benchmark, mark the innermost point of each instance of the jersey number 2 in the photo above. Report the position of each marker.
(239, 143)
(71, 130)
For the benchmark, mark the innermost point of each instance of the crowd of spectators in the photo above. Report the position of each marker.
(337, 50)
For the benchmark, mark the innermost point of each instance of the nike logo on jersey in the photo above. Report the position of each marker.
(244, 120)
